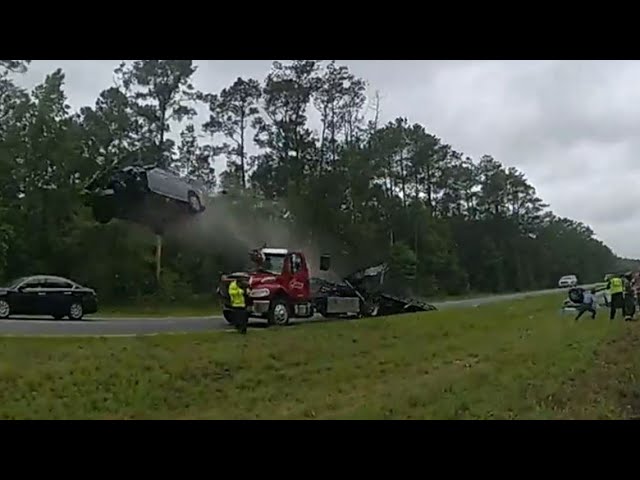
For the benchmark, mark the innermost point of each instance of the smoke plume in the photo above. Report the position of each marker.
(235, 225)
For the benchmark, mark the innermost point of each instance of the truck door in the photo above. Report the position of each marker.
(299, 280)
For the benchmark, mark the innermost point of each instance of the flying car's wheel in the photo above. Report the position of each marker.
(194, 203)
(103, 219)
(102, 215)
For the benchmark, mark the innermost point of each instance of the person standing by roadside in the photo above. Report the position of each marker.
(616, 292)
(588, 304)
(238, 297)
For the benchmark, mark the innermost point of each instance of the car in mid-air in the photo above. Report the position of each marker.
(47, 295)
(142, 193)
(568, 281)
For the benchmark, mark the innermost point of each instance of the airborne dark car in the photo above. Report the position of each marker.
(145, 194)
(47, 295)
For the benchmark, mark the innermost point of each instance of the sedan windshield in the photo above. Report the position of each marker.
(15, 282)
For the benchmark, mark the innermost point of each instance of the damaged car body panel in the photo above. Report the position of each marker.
(368, 286)
(148, 195)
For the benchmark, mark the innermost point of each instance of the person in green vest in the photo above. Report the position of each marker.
(237, 297)
(615, 285)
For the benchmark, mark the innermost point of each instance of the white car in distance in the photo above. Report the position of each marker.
(568, 281)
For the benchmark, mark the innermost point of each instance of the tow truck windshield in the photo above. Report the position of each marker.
(272, 264)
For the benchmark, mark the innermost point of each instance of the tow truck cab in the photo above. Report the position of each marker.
(279, 287)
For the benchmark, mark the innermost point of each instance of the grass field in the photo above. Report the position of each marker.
(203, 305)
(517, 359)
(194, 306)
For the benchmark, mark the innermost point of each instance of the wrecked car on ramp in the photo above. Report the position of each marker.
(368, 285)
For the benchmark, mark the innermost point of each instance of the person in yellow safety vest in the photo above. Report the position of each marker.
(237, 291)
(615, 286)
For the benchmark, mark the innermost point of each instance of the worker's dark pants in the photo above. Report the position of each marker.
(585, 308)
(240, 318)
(629, 305)
(617, 302)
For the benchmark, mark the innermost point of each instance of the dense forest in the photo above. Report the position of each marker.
(352, 186)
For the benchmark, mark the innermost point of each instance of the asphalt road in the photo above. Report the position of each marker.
(102, 326)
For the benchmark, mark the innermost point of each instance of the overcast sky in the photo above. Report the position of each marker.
(570, 126)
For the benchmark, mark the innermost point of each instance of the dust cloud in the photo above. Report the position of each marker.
(234, 226)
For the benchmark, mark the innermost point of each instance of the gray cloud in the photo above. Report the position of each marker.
(570, 126)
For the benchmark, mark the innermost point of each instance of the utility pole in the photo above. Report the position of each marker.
(158, 258)
(158, 230)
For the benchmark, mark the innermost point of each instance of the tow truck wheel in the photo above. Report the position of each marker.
(278, 313)
(370, 309)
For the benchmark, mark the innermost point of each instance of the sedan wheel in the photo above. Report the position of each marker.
(75, 311)
(5, 309)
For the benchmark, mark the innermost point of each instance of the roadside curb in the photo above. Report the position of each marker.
(100, 326)
(130, 318)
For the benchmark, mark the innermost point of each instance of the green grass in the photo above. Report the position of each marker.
(206, 305)
(468, 296)
(195, 306)
(517, 359)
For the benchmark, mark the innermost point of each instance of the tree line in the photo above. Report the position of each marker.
(363, 190)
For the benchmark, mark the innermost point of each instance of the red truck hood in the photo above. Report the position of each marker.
(259, 278)
(255, 278)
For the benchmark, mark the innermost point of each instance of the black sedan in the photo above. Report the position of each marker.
(47, 295)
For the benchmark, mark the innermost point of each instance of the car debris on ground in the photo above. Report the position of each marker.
(368, 286)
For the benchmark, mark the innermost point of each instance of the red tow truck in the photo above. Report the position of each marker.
(281, 288)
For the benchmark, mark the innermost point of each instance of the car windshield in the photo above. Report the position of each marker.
(15, 283)
(273, 264)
